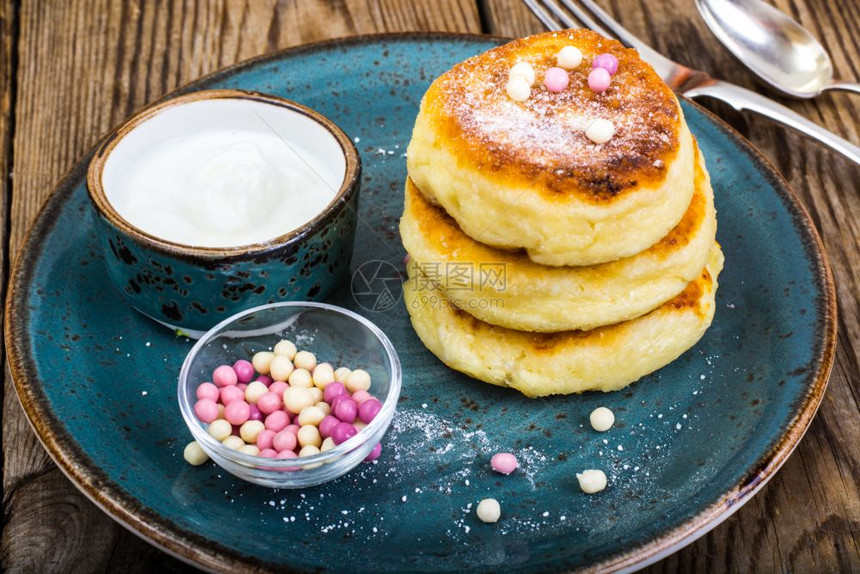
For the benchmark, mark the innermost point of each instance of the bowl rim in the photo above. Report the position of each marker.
(381, 420)
(98, 197)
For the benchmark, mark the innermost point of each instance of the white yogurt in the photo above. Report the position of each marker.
(222, 188)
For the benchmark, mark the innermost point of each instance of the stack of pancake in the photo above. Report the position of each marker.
(540, 260)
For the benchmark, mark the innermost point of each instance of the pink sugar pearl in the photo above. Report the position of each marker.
(224, 376)
(293, 428)
(278, 387)
(269, 402)
(231, 394)
(265, 439)
(288, 454)
(244, 371)
(268, 453)
(237, 412)
(284, 440)
(360, 396)
(332, 390)
(504, 462)
(556, 79)
(277, 421)
(374, 454)
(207, 391)
(599, 79)
(369, 409)
(606, 61)
(242, 386)
(343, 432)
(327, 425)
(346, 410)
(255, 415)
(206, 410)
(265, 379)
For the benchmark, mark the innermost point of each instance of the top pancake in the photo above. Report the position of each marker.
(524, 174)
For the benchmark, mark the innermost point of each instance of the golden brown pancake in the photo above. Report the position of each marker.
(539, 364)
(524, 175)
(508, 289)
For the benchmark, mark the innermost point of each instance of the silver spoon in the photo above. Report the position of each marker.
(775, 47)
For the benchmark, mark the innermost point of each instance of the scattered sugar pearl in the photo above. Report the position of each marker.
(358, 380)
(301, 378)
(305, 360)
(601, 419)
(569, 58)
(220, 429)
(504, 462)
(254, 391)
(207, 391)
(523, 70)
(606, 61)
(244, 370)
(518, 89)
(206, 410)
(261, 361)
(194, 454)
(224, 376)
(374, 454)
(591, 481)
(556, 79)
(285, 348)
(599, 79)
(600, 131)
(323, 375)
(233, 442)
(489, 510)
(250, 430)
(281, 367)
(341, 374)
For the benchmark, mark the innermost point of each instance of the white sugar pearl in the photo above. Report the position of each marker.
(358, 380)
(524, 70)
(194, 455)
(309, 435)
(261, 361)
(600, 131)
(323, 375)
(220, 429)
(250, 429)
(316, 393)
(569, 58)
(324, 407)
(591, 481)
(233, 442)
(280, 368)
(312, 415)
(254, 390)
(305, 360)
(341, 374)
(250, 449)
(327, 444)
(308, 451)
(297, 398)
(489, 510)
(286, 349)
(301, 378)
(518, 89)
(601, 419)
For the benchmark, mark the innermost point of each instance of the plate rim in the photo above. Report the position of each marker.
(200, 551)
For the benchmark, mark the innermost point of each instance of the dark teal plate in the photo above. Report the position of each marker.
(692, 443)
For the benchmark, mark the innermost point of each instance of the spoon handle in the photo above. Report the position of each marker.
(742, 99)
(844, 86)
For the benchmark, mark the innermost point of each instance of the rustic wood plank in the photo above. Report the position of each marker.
(84, 67)
(808, 517)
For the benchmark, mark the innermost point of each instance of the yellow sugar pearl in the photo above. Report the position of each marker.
(489, 510)
(324, 407)
(323, 375)
(341, 374)
(286, 349)
(524, 70)
(591, 481)
(194, 454)
(305, 360)
(358, 380)
(600, 131)
(518, 89)
(280, 368)
(309, 435)
(358, 424)
(297, 398)
(569, 58)
(327, 444)
(250, 429)
(316, 393)
(220, 429)
(301, 378)
(254, 390)
(309, 451)
(233, 442)
(250, 449)
(261, 361)
(312, 415)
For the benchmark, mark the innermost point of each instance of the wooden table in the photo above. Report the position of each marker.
(72, 69)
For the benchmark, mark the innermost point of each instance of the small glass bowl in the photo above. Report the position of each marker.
(335, 335)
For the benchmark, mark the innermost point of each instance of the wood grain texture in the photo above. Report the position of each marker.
(84, 66)
(807, 518)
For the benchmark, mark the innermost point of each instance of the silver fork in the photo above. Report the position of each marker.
(559, 14)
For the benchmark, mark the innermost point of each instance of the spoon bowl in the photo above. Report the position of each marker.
(776, 48)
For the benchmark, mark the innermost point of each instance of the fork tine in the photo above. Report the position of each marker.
(545, 18)
(583, 17)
